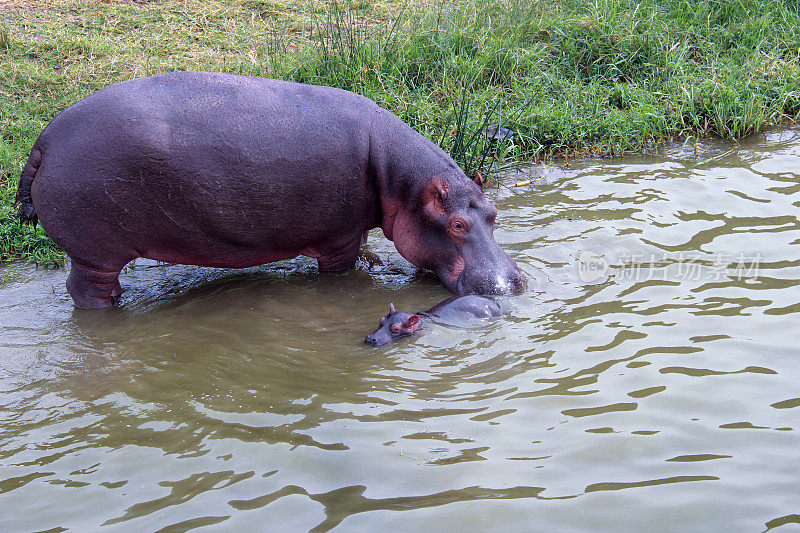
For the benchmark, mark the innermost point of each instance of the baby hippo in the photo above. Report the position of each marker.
(453, 310)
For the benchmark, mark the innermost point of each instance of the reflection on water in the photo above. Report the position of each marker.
(647, 377)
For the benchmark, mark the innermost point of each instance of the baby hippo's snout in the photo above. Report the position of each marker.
(373, 340)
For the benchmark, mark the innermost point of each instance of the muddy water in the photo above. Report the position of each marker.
(646, 381)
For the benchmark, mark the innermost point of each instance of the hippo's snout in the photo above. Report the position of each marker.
(511, 281)
(517, 282)
(374, 341)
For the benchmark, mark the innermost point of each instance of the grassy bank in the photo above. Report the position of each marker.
(602, 77)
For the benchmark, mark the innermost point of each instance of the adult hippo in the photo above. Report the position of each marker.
(233, 171)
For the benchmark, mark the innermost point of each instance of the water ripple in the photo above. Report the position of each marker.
(662, 391)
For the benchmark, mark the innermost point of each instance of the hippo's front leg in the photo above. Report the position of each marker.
(342, 258)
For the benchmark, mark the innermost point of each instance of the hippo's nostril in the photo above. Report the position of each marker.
(518, 282)
(372, 341)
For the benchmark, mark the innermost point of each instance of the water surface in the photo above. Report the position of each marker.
(646, 381)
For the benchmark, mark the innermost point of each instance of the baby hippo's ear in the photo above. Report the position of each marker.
(412, 323)
(391, 308)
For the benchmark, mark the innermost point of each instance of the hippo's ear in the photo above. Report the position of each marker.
(478, 179)
(411, 323)
(433, 198)
(391, 308)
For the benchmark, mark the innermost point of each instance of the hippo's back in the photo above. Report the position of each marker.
(185, 103)
(465, 307)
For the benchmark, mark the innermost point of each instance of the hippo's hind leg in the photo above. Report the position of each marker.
(92, 288)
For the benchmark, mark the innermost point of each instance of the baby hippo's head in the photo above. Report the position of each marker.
(393, 326)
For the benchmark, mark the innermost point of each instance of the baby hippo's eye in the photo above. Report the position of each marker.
(458, 225)
(395, 328)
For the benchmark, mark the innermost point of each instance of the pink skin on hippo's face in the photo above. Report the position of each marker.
(449, 230)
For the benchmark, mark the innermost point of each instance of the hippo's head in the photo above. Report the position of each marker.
(447, 227)
(393, 326)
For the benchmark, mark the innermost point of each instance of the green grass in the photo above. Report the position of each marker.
(571, 78)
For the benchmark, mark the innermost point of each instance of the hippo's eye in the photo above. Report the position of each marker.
(395, 328)
(458, 226)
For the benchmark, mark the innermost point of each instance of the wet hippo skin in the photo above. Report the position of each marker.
(453, 310)
(233, 171)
